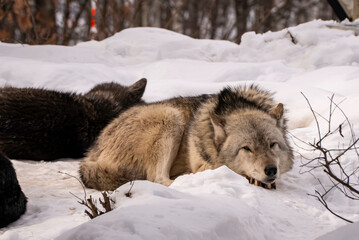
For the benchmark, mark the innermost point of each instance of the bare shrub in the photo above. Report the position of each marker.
(91, 204)
(344, 179)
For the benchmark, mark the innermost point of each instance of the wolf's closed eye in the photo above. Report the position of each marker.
(246, 148)
(273, 144)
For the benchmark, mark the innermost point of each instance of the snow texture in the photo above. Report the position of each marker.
(214, 204)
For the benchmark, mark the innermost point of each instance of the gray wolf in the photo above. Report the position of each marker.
(12, 199)
(39, 124)
(242, 128)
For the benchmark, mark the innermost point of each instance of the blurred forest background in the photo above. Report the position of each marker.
(67, 22)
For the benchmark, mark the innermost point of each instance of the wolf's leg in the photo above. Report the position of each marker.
(170, 141)
(94, 176)
(168, 152)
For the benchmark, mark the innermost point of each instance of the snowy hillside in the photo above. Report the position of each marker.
(215, 204)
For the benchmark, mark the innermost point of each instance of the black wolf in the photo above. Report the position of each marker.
(12, 199)
(39, 124)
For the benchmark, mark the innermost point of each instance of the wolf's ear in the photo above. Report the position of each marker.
(137, 89)
(277, 113)
(219, 133)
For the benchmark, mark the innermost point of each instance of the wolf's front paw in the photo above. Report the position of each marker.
(261, 184)
(164, 181)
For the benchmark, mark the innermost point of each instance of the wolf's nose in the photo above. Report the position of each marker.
(270, 170)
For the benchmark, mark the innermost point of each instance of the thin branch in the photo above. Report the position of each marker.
(106, 202)
(320, 198)
(314, 115)
(292, 38)
(129, 194)
(82, 185)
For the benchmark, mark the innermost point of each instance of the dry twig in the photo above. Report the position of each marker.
(129, 194)
(90, 203)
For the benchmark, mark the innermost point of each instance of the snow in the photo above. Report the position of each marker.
(349, 232)
(215, 204)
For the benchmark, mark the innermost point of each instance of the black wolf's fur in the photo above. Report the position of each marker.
(12, 199)
(253, 97)
(40, 124)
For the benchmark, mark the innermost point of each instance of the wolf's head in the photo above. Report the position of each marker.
(249, 134)
(118, 94)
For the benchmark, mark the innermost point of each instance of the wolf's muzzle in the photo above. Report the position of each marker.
(270, 171)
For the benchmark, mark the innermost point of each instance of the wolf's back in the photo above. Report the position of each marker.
(39, 124)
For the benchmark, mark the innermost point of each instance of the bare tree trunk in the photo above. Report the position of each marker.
(116, 23)
(7, 21)
(166, 12)
(242, 11)
(21, 15)
(83, 7)
(137, 16)
(46, 22)
(193, 24)
(102, 25)
(214, 15)
(145, 13)
(156, 13)
(174, 22)
(66, 21)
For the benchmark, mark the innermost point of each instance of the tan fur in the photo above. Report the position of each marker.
(161, 141)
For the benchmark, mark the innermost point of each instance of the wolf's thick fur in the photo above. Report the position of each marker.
(40, 124)
(239, 127)
(12, 199)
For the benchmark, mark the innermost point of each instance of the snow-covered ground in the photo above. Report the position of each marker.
(215, 204)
